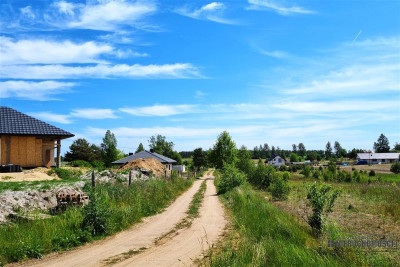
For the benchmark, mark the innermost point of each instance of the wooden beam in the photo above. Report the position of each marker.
(58, 153)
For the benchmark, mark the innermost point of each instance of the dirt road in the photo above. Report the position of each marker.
(179, 250)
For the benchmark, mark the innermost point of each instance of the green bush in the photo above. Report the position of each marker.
(261, 176)
(96, 215)
(279, 189)
(65, 174)
(321, 201)
(81, 163)
(395, 168)
(306, 171)
(98, 164)
(372, 173)
(230, 178)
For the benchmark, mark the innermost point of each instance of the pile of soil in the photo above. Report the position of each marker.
(36, 174)
(151, 164)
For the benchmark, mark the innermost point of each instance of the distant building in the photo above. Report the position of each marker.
(376, 158)
(276, 161)
(167, 162)
(27, 141)
(179, 168)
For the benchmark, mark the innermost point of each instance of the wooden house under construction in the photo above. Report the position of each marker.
(27, 141)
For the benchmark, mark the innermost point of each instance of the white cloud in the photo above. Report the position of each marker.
(166, 71)
(27, 12)
(109, 15)
(129, 53)
(199, 94)
(49, 116)
(31, 51)
(338, 106)
(276, 53)
(176, 131)
(160, 110)
(44, 90)
(65, 7)
(212, 11)
(274, 6)
(93, 113)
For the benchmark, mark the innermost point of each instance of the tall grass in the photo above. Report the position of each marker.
(267, 236)
(124, 205)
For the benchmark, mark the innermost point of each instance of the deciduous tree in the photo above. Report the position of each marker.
(224, 151)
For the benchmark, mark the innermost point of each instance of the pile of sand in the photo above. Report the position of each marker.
(37, 174)
(151, 164)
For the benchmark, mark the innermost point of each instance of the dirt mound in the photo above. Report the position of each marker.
(151, 164)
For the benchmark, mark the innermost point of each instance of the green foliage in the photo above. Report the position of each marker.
(286, 176)
(306, 171)
(65, 174)
(230, 178)
(382, 144)
(199, 158)
(302, 149)
(112, 208)
(293, 157)
(264, 235)
(261, 176)
(98, 165)
(371, 173)
(224, 151)
(81, 163)
(161, 146)
(328, 150)
(395, 168)
(244, 162)
(140, 148)
(321, 199)
(81, 149)
(96, 214)
(280, 188)
(109, 148)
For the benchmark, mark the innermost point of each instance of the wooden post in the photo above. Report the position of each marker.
(93, 180)
(58, 160)
(130, 177)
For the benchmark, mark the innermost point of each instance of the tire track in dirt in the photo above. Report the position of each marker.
(141, 235)
(190, 243)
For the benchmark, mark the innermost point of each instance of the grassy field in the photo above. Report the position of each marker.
(265, 235)
(112, 208)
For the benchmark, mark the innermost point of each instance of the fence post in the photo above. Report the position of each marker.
(130, 177)
(93, 180)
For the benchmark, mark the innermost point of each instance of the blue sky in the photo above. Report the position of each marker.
(267, 71)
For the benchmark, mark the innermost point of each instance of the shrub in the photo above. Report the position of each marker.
(356, 176)
(279, 189)
(283, 168)
(321, 201)
(286, 176)
(98, 164)
(372, 173)
(81, 163)
(96, 215)
(261, 176)
(229, 179)
(306, 171)
(65, 174)
(395, 168)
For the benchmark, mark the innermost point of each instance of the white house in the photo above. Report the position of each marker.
(179, 168)
(276, 161)
(377, 158)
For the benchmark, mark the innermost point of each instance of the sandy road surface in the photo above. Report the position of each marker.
(140, 235)
(190, 243)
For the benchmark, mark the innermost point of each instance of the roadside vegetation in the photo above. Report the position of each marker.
(112, 208)
(279, 214)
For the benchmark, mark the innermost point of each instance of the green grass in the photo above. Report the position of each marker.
(36, 185)
(264, 235)
(117, 206)
(195, 204)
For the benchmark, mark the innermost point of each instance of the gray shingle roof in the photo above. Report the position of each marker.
(13, 122)
(145, 155)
